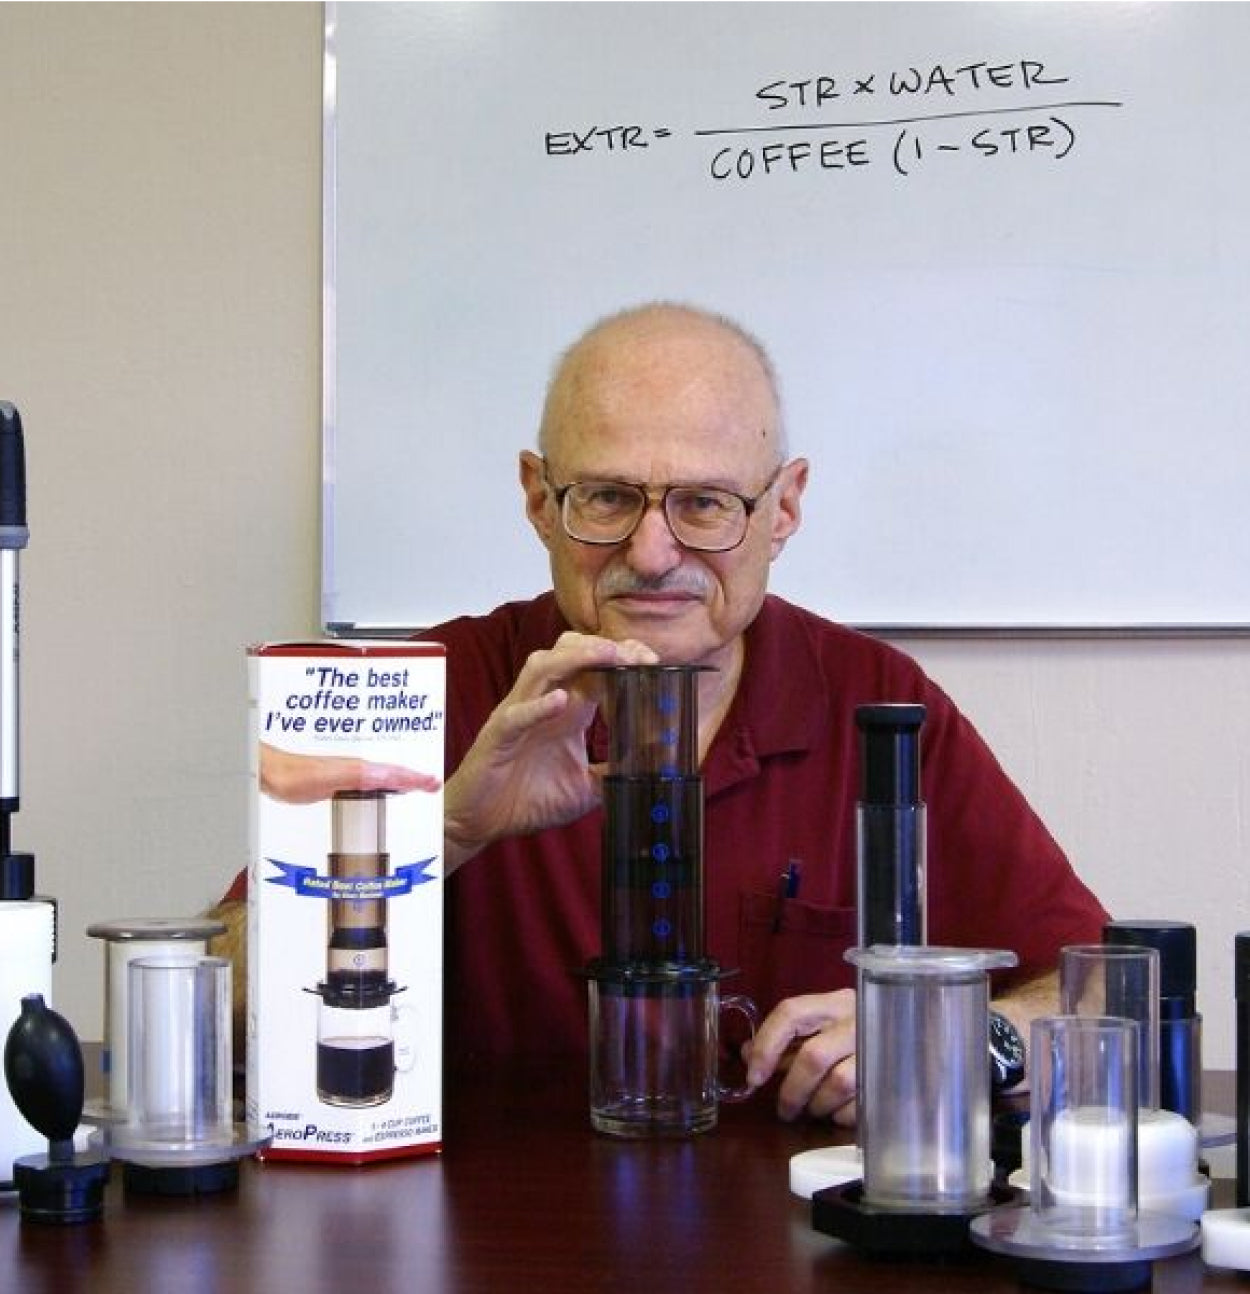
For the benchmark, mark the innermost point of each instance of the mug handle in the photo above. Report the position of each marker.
(745, 1007)
(403, 1024)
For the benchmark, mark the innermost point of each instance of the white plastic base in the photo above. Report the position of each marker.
(813, 1170)
(1168, 1180)
(27, 936)
(1226, 1239)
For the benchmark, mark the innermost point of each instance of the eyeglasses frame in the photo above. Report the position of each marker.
(657, 495)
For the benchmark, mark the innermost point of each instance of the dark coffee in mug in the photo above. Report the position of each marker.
(355, 1071)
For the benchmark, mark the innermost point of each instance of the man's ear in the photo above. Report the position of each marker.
(539, 503)
(789, 514)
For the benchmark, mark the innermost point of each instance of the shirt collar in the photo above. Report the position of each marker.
(780, 706)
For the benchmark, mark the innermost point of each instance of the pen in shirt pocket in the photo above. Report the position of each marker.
(787, 888)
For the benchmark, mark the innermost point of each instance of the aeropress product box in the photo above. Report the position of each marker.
(345, 899)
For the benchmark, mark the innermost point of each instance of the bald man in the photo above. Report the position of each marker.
(663, 491)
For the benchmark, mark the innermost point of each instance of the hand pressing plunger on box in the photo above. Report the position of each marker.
(303, 779)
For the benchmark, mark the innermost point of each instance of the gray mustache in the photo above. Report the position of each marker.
(620, 581)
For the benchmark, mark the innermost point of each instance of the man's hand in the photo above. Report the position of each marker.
(811, 1041)
(305, 779)
(528, 769)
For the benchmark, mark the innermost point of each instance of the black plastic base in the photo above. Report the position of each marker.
(1083, 1278)
(842, 1212)
(193, 1179)
(61, 1194)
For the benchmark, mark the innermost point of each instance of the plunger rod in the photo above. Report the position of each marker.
(13, 537)
(891, 817)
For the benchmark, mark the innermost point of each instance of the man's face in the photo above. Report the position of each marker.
(676, 401)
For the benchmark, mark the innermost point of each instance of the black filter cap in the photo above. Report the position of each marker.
(890, 752)
(1177, 942)
(191, 1179)
(356, 991)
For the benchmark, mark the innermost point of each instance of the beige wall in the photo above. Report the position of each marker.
(159, 330)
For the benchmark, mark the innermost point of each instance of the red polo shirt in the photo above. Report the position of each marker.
(781, 783)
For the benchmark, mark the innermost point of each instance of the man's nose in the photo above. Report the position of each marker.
(651, 550)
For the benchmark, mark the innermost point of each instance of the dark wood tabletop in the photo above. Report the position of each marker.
(524, 1197)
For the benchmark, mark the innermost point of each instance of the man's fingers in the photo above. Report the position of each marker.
(791, 1021)
(820, 1082)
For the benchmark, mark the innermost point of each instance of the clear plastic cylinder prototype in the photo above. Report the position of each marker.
(1083, 1124)
(924, 1076)
(179, 1044)
(1117, 980)
(357, 939)
(125, 942)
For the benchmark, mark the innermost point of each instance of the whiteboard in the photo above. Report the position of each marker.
(1000, 253)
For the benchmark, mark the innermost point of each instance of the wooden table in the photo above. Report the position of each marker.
(525, 1197)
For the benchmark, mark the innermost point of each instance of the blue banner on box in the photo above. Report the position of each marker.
(312, 884)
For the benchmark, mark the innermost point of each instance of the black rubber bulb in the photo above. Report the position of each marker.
(44, 1069)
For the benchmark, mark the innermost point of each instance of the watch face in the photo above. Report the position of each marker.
(1006, 1041)
(1006, 1052)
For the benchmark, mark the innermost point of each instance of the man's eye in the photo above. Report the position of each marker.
(704, 504)
(605, 498)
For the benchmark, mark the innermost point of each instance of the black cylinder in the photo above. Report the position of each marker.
(891, 823)
(1241, 981)
(890, 753)
(1180, 1025)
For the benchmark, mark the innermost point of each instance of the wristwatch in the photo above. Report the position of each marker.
(1006, 1053)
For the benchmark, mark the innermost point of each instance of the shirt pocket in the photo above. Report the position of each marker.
(788, 947)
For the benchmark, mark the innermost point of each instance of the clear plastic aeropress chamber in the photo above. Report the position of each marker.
(924, 1103)
(924, 1117)
(655, 1008)
(652, 897)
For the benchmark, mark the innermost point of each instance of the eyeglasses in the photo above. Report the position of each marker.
(701, 517)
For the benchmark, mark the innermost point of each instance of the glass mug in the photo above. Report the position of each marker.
(655, 1053)
(359, 1052)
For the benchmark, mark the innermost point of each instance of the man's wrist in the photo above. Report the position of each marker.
(456, 853)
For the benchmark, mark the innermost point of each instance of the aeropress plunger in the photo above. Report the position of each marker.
(654, 992)
(922, 1028)
(890, 827)
(889, 882)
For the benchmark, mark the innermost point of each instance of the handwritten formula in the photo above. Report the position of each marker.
(905, 119)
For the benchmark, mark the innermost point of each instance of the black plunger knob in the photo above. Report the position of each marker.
(890, 752)
(43, 1067)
